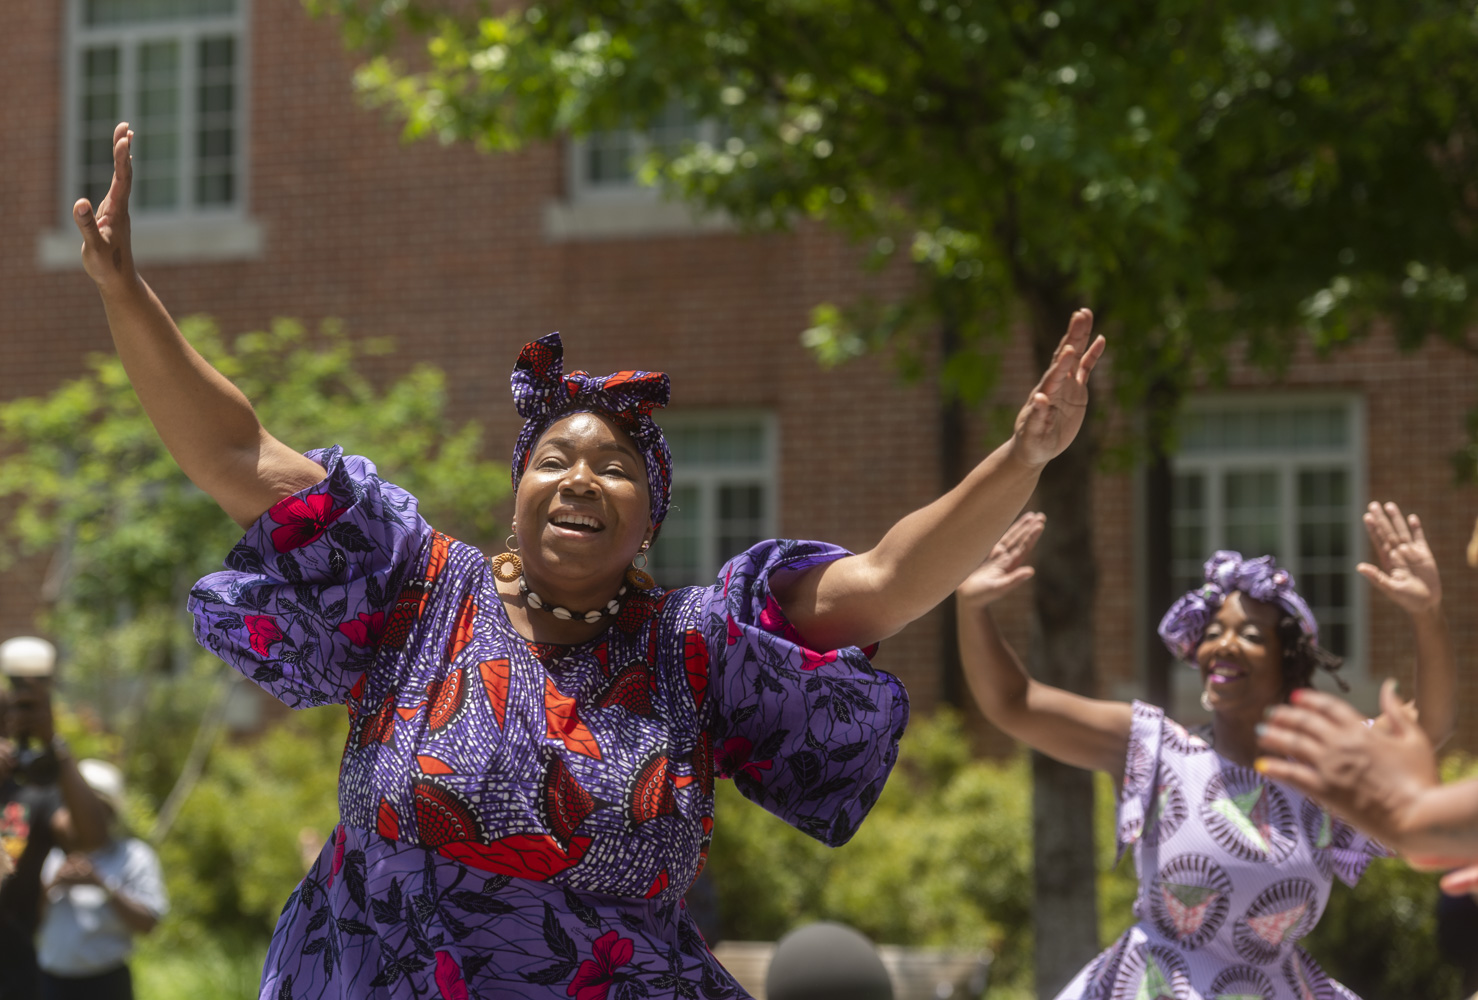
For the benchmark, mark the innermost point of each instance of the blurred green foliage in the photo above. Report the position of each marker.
(258, 816)
(243, 840)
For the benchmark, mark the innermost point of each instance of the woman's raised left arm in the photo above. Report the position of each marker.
(1408, 575)
(860, 599)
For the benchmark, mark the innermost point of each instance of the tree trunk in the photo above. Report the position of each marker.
(1157, 574)
(953, 464)
(1064, 872)
(952, 470)
(1162, 404)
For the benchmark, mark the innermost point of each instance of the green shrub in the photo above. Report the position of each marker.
(943, 860)
(236, 851)
(162, 970)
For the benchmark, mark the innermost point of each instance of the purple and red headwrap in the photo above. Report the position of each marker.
(544, 394)
(1260, 579)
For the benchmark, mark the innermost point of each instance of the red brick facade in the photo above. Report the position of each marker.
(444, 249)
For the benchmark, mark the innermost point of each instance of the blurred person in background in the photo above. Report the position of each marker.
(1234, 869)
(37, 777)
(95, 903)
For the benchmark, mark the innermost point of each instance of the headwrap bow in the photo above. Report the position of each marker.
(544, 394)
(1260, 579)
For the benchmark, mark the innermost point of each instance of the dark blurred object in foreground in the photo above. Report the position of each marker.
(827, 961)
(1457, 936)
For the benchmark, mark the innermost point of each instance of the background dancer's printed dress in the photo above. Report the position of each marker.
(521, 820)
(1233, 871)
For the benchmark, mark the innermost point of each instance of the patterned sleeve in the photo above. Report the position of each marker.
(1141, 765)
(307, 593)
(809, 735)
(1347, 850)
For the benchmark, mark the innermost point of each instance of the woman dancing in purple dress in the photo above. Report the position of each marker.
(527, 785)
(1233, 868)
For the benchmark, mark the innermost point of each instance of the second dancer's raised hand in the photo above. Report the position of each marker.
(107, 249)
(1005, 568)
(1054, 411)
(1407, 571)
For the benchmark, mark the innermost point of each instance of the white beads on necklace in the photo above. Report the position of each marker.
(612, 608)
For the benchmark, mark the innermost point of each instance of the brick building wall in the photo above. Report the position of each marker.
(444, 249)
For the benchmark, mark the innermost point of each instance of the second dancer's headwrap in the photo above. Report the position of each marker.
(544, 394)
(1261, 579)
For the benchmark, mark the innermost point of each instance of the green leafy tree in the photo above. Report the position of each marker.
(85, 478)
(1218, 180)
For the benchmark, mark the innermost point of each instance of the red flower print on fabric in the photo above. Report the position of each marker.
(387, 821)
(734, 759)
(264, 632)
(810, 659)
(695, 662)
(597, 974)
(534, 856)
(339, 837)
(773, 620)
(449, 977)
(364, 630)
(495, 680)
(302, 520)
(562, 722)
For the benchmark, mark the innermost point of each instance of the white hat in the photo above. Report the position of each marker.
(27, 656)
(104, 779)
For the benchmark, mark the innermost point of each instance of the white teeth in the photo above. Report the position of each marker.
(576, 519)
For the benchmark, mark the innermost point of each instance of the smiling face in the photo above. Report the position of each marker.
(583, 509)
(1241, 657)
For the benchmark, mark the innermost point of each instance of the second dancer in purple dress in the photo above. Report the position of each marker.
(1233, 868)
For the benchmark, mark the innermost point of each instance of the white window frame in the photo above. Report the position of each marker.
(592, 211)
(187, 232)
(582, 188)
(1287, 462)
(710, 478)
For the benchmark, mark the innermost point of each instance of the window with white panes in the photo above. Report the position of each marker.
(723, 495)
(1280, 477)
(174, 70)
(606, 164)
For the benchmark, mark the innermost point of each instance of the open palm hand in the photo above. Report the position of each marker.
(1004, 569)
(107, 251)
(1054, 411)
(1407, 571)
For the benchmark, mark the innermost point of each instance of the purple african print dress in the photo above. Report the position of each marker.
(1233, 871)
(522, 820)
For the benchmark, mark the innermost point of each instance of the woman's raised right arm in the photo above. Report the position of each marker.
(206, 423)
(1084, 732)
